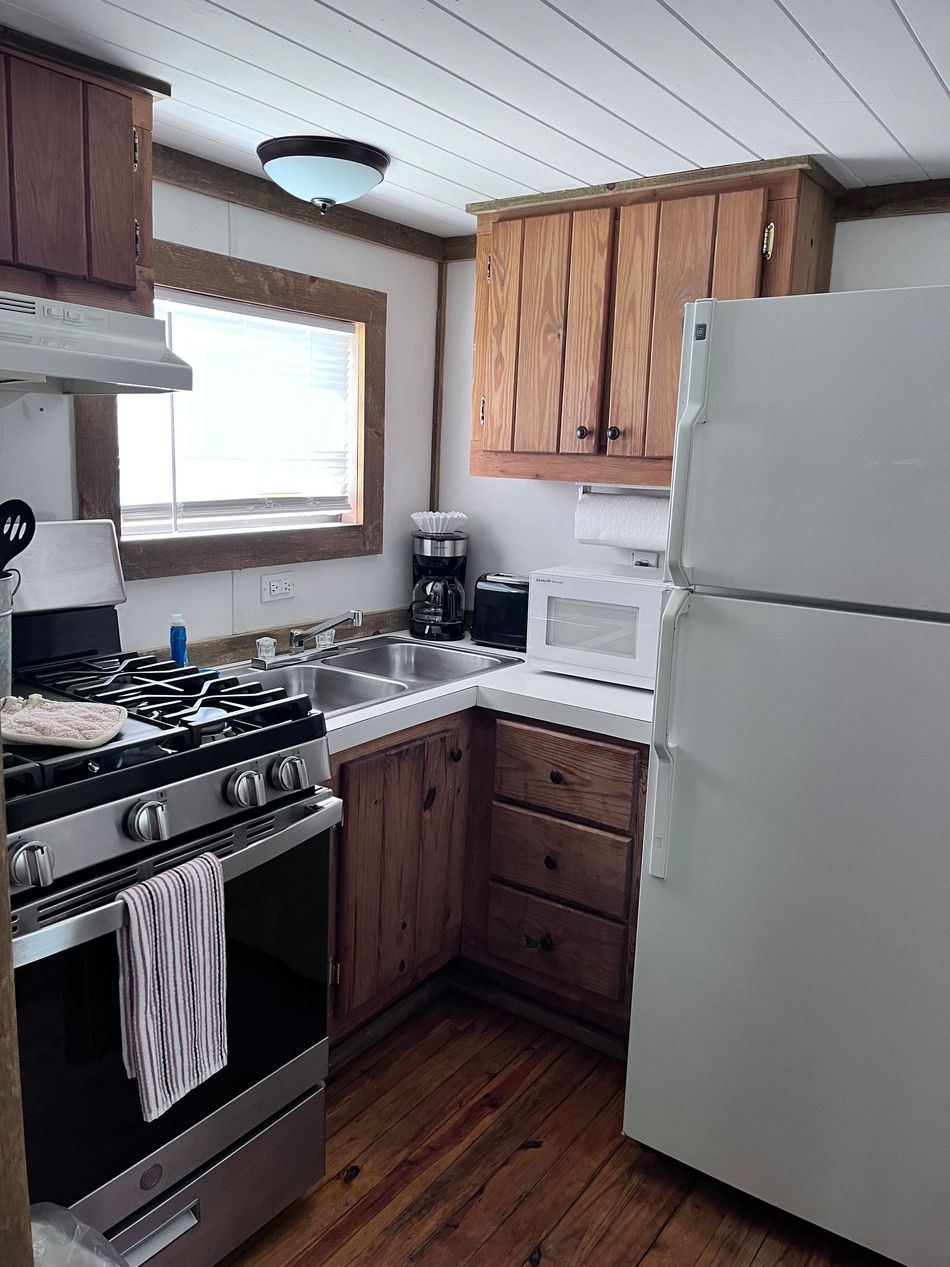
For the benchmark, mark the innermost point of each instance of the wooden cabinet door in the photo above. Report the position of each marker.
(400, 867)
(504, 300)
(541, 326)
(585, 343)
(47, 155)
(684, 255)
(110, 177)
(634, 276)
(740, 223)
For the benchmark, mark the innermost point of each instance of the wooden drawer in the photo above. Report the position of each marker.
(585, 778)
(556, 941)
(563, 860)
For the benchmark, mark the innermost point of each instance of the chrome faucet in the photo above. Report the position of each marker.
(298, 637)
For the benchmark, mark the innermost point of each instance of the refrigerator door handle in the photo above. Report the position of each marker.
(664, 752)
(697, 333)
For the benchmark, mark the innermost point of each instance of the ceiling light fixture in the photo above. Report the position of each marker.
(323, 170)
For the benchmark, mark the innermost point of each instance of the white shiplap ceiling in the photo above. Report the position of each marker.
(478, 99)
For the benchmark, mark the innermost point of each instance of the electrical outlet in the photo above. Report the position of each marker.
(277, 586)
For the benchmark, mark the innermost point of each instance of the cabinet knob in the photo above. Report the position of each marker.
(550, 862)
(613, 433)
(546, 942)
(556, 776)
(456, 755)
(582, 433)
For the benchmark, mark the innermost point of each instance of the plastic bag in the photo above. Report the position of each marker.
(60, 1240)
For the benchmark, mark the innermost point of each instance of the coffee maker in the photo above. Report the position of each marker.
(437, 611)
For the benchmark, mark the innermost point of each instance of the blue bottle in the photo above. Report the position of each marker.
(178, 640)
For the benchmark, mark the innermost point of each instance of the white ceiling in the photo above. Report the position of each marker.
(478, 99)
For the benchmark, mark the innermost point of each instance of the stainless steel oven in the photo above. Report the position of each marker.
(158, 1189)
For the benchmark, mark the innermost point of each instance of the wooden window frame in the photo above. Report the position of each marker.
(97, 434)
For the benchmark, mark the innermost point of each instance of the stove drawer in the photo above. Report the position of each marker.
(213, 1213)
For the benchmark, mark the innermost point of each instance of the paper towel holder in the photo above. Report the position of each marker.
(655, 560)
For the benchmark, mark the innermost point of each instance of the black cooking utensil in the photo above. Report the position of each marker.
(17, 526)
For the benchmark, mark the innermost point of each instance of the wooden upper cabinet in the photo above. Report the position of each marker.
(75, 185)
(579, 310)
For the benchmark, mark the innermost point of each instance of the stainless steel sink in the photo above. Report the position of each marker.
(417, 664)
(330, 690)
(370, 671)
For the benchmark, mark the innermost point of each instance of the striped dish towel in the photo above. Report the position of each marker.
(172, 982)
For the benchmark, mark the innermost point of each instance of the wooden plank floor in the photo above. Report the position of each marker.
(470, 1136)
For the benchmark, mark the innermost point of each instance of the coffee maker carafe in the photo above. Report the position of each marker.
(437, 612)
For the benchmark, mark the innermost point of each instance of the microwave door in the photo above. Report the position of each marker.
(604, 630)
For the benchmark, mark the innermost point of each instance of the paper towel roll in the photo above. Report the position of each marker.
(633, 521)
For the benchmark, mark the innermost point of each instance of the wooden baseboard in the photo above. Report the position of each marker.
(368, 1035)
(558, 1022)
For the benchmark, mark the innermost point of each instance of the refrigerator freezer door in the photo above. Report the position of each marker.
(790, 1029)
(821, 466)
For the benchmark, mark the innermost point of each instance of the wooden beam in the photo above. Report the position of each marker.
(461, 248)
(619, 188)
(911, 198)
(20, 42)
(15, 1241)
(187, 171)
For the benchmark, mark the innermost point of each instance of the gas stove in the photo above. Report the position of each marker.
(197, 746)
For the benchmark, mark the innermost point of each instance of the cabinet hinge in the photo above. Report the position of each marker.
(768, 241)
(334, 971)
(488, 269)
(138, 239)
(135, 149)
(481, 411)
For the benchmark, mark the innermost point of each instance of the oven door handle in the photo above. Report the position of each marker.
(319, 816)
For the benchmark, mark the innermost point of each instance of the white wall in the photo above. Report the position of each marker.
(896, 251)
(36, 449)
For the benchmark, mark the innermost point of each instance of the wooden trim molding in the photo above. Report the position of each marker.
(620, 190)
(233, 648)
(910, 198)
(97, 439)
(438, 389)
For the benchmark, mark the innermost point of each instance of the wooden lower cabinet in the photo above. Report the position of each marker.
(398, 866)
(456, 842)
(552, 872)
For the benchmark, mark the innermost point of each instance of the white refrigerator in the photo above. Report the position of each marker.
(790, 1028)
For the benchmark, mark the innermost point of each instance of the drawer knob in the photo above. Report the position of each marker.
(582, 433)
(456, 755)
(556, 776)
(539, 943)
(613, 433)
(550, 862)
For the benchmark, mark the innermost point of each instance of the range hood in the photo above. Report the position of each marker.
(47, 345)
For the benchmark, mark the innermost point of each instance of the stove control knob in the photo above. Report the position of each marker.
(147, 822)
(245, 789)
(32, 864)
(289, 774)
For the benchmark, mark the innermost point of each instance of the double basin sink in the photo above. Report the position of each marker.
(370, 671)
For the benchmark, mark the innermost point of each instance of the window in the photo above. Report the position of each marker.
(276, 456)
(268, 437)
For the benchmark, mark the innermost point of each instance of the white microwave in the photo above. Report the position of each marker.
(603, 625)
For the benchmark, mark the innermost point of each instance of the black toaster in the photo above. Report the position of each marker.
(500, 617)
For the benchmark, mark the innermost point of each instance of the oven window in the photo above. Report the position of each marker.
(81, 1113)
(603, 628)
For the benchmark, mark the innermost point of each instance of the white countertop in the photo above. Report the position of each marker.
(620, 712)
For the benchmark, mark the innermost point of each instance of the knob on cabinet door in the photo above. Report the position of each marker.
(613, 433)
(582, 433)
(245, 789)
(31, 864)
